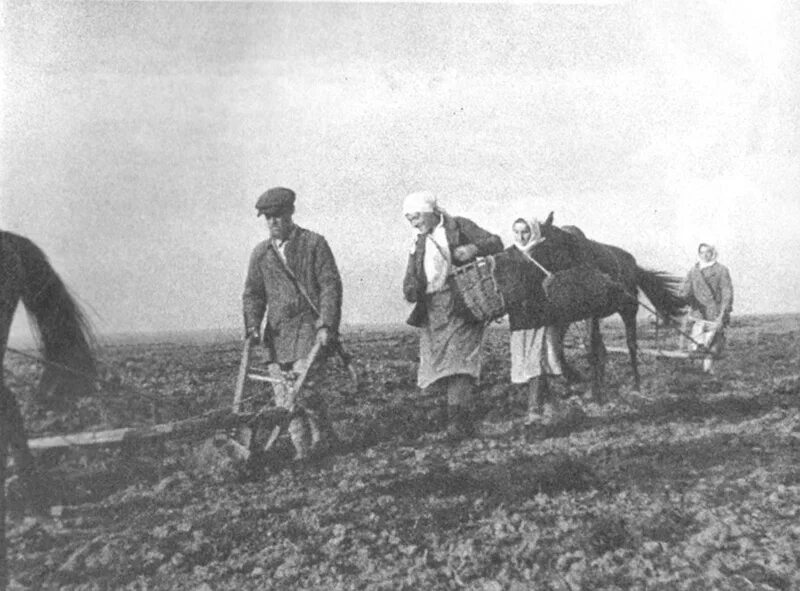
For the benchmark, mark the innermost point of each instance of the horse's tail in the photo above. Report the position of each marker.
(61, 326)
(663, 291)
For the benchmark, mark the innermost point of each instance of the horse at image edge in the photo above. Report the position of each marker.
(66, 342)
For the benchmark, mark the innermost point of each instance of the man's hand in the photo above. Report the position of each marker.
(323, 336)
(465, 253)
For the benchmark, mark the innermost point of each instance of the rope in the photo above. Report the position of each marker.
(651, 310)
(621, 287)
(120, 386)
(542, 268)
(60, 366)
(659, 315)
(93, 378)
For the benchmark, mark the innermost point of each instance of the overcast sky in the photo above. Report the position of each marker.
(136, 138)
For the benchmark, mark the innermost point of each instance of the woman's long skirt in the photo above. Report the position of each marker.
(448, 344)
(534, 352)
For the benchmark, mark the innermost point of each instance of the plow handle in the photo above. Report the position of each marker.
(241, 379)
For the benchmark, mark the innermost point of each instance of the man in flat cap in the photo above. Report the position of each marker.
(294, 280)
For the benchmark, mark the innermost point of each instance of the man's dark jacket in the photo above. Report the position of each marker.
(291, 324)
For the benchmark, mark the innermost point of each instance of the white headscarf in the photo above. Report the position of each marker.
(536, 235)
(420, 202)
(705, 264)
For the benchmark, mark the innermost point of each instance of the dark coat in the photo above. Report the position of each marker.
(460, 232)
(709, 292)
(291, 324)
(521, 284)
(575, 290)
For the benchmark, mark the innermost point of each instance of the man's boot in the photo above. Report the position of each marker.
(299, 436)
(323, 436)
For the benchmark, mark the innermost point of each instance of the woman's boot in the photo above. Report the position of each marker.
(460, 421)
(536, 390)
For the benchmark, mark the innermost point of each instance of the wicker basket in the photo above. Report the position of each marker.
(477, 288)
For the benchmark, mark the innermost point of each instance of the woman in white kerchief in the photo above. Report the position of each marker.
(535, 352)
(450, 343)
(709, 292)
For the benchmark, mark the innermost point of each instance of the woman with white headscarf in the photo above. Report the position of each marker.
(450, 342)
(709, 292)
(535, 352)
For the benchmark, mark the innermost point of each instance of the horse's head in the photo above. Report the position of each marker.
(547, 225)
(550, 230)
(560, 249)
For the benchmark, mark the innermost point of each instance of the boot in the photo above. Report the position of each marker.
(571, 375)
(323, 436)
(461, 422)
(550, 403)
(299, 436)
(536, 391)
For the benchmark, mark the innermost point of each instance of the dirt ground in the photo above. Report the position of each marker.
(692, 483)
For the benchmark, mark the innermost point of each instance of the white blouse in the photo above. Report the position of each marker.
(437, 259)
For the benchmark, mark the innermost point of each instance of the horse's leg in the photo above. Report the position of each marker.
(11, 423)
(597, 358)
(629, 318)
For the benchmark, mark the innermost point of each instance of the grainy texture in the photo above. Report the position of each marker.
(693, 485)
(578, 293)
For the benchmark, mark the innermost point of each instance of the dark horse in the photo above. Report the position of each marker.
(26, 275)
(609, 278)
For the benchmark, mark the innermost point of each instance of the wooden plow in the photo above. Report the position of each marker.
(228, 419)
(686, 346)
(664, 347)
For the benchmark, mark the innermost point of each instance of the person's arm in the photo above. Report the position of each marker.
(726, 296)
(330, 286)
(254, 298)
(686, 291)
(413, 282)
(480, 242)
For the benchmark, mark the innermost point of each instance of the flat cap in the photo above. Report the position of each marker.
(276, 201)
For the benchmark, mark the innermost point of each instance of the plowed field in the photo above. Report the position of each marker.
(693, 483)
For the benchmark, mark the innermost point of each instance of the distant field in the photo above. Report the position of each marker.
(196, 336)
(692, 483)
(771, 322)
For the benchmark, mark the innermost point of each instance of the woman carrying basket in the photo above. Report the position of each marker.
(450, 342)
(535, 352)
